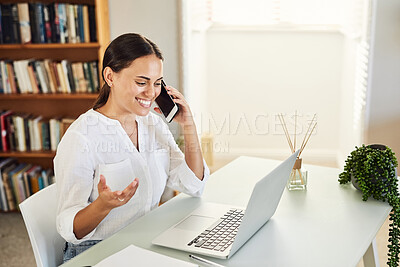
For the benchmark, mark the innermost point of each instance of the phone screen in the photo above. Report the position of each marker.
(166, 104)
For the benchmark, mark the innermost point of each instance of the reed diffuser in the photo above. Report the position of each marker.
(298, 176)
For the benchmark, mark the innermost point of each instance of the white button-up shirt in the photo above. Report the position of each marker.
(95, 142)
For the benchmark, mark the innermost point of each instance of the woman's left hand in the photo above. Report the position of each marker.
(184, 116)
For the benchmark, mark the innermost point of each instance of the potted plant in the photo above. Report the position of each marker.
(372, 169)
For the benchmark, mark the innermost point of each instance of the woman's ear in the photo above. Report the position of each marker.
(108, 76)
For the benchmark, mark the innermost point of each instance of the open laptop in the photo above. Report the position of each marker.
(219, 230)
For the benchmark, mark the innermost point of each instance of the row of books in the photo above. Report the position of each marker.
(19, 181)
(47, 23)
(26, 132)
(47, 76)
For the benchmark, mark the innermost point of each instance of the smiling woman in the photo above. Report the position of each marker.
(102, 190)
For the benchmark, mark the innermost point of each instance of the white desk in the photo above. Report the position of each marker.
(327, 225)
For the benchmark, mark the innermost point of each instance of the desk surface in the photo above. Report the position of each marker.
(326, 225)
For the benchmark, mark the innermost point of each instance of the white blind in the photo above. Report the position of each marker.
(200, 14)
(345, 13)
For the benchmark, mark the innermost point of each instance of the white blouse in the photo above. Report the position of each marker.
(96, 144)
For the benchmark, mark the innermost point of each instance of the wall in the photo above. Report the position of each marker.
(158, 21)
(253, 75)
(349, 134)
(383, 107)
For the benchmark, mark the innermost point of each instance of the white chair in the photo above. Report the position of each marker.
(39, 213)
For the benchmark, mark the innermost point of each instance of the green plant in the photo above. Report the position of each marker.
(373, 169)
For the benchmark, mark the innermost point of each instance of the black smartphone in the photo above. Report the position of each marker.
(166, 104)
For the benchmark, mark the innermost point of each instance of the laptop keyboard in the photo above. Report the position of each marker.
(220, 235)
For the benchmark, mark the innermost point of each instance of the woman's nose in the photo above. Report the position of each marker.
(150, 92)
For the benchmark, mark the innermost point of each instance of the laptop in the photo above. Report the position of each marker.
(219, 230)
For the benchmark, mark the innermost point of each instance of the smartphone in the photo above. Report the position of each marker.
(166, 104)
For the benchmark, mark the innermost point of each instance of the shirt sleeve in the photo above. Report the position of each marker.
(74, 172)
(181, 177)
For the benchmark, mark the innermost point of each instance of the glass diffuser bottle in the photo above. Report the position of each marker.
(298, 177)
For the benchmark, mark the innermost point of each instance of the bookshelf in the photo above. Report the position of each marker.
(56, 104)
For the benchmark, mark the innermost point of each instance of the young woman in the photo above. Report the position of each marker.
(114, 162)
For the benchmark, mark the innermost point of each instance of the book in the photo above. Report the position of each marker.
(65, 123)
(59, 87)
(40, 21)
(54, 23)
(35, 26)
(62, 18)
(27, 177)
(71, 23)
(18, 182)
(45, 135)
(77, 32)
(74, 67)
(54, 125)
(36, 137)
(24, 23)
(4, 75)
(10, 132)
(50, 76)
(86, 31)
(27, 118)
(32, 78)
(1, 26)
(10, 23)
(4, 130)
(43, 83)
(88, 77)
(4, 163)
(79, 11)
(34, 181)
(62, 78)
(12, 185)
(7, 186)
(70, 75)
(46, 76)
(95, 76)
(19, 128)
(19, 77)
(11, 77)
(64, 71)
(47, 24)
(92, 23)
(23, 78)
(82, 84)
(1, 82)
(15, 24)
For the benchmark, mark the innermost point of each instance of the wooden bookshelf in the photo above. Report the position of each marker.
(55, 105)
(87, 51)
(32, 154)
(76, 96)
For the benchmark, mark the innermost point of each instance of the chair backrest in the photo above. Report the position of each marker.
(39, 213)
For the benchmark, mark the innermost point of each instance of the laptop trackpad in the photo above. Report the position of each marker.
(196, 223)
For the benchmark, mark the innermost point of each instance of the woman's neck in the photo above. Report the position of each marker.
(113, 112)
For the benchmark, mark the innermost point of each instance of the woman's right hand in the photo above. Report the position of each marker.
(111, 200)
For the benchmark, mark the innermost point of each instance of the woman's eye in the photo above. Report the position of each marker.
(140, 83)
(157, 84)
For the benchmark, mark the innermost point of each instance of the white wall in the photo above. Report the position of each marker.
(349, 136)
(383, 107)
(253, 75)
(157, 20)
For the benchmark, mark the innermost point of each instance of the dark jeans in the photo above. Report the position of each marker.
(72, 250)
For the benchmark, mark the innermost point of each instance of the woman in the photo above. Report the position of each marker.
(114, 162)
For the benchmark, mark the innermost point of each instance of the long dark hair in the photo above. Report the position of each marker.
(120, 53)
